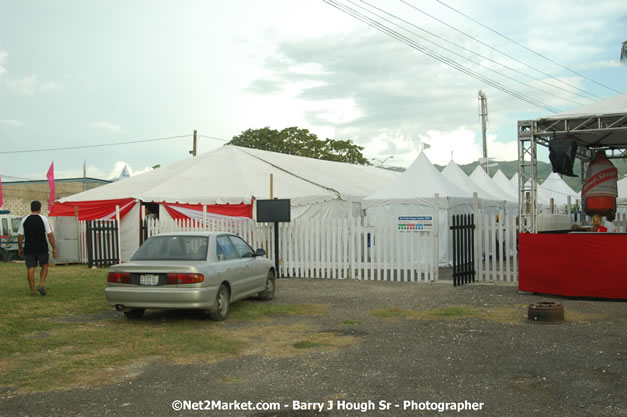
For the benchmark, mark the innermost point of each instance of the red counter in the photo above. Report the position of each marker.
(574, 264)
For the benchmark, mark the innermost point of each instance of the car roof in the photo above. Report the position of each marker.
(197, 233)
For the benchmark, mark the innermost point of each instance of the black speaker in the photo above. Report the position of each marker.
(562, 155)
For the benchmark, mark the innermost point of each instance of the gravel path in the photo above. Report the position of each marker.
(489, 355)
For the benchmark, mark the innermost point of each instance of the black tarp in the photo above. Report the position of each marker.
(562, 155)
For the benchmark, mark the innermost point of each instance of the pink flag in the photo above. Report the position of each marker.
(50, 176)
(1, 192)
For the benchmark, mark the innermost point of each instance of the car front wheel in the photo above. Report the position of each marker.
(222, 305)
(268, 293)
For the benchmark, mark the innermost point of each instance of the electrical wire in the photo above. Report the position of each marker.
(213, 137)
(470, 51)
(496, 50)
(528, 49)
(95, 146)
(392, 33)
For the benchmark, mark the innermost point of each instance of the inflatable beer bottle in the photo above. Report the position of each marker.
(599, 191)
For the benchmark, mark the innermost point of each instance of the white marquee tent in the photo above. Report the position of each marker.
(231, 176)
(501, 180)
(412, 194)
(558, 190)
(482, 179)
(456, 175)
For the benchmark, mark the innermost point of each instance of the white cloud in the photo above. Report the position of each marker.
(116, 171)
(462, 144)
(460, 141)
(95, 172)
(31, 85)
(3, 56)
(600, 64)
(106, 126)
(10, 123)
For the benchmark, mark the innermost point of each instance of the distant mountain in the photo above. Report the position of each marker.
(509, 168)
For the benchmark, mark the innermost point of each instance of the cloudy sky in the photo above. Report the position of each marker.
(78, 75)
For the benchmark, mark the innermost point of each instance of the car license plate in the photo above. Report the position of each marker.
(148, 279)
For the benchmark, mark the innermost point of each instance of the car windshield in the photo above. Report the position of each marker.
(180, 248)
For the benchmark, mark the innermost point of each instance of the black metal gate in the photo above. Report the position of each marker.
(463, 228)
(103, 247)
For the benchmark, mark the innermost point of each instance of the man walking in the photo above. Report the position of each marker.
(34, 229)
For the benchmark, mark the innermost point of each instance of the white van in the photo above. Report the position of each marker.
(9, 225)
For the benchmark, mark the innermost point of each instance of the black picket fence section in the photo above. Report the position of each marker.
(463, 228)
(103, 247)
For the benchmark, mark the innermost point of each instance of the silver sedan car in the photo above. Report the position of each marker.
(190, 270)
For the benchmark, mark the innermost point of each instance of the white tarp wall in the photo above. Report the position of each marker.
(129, 233)
(447, 207)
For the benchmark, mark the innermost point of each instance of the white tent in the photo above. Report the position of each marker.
(514, 182)
(222, 180)
(501, 180)
(484, 182)
(456, 175)
(621, 202)
(412, 194)
(234, 175)
(558, 190)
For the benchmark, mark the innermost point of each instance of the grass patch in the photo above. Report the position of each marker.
(351, 322)
(255, 310)
(305, 344)
(39, 351)
(455, 311)
(55, 343)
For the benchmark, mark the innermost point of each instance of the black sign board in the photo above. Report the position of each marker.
(273, 211)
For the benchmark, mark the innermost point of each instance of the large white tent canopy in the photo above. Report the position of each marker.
(233, 175)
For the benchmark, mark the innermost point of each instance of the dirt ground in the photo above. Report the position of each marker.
(381, 349)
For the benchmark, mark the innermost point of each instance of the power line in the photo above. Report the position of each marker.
(392, 33)
(94, 146)
(213, 137)
(528, 49)
(496, 50)
(470, 51)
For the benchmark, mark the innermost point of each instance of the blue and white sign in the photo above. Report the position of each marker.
(415, 223)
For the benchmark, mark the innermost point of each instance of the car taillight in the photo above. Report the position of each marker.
(119, 277)
(174, 279)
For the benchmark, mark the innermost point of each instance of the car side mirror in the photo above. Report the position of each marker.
(260, 252)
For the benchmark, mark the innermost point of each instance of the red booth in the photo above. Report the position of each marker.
(579, 264)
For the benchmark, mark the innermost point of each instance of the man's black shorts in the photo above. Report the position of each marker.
(33, 258)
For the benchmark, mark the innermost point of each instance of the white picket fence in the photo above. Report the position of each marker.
(95, 243)
(343, 248)
(336, 248)
(496, 249)
(357, 248)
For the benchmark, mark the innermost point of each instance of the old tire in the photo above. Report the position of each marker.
(134, 314)
(222, 305)
(268, 293)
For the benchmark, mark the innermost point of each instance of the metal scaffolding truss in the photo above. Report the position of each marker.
(600, 126)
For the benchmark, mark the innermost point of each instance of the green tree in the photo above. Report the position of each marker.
(300, 142)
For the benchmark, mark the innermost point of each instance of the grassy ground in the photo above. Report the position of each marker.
(71, 337)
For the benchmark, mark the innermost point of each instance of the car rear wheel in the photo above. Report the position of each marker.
(222, 306)
(268, 293)
(134, 314)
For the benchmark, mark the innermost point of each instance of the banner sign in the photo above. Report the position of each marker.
(415, 223)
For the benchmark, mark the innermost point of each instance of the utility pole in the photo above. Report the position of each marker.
(483, 113)
(193, 151)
